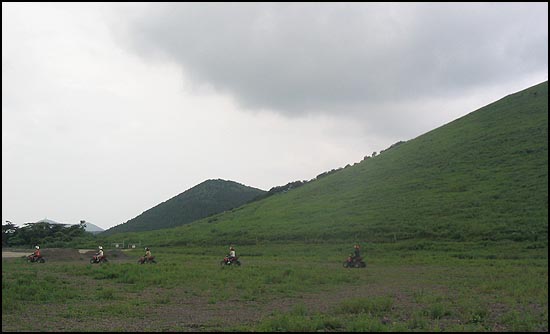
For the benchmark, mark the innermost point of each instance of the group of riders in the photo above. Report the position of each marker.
(99, 256)
(353, 257)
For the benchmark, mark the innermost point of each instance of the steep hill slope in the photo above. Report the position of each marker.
(203, 200)
(481, 177)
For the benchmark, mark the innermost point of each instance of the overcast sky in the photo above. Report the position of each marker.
(111, 109)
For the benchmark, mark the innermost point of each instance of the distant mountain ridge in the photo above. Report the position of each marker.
(203, 200)
(93, 228)
(88, 228)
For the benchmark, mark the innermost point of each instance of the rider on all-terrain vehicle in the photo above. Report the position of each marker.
(232, 254)
(36, 254)
(356, 253)
(99, 254)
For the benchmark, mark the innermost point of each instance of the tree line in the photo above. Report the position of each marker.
(42, 233)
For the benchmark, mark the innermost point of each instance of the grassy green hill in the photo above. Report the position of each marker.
(481, 177)
(203, 200)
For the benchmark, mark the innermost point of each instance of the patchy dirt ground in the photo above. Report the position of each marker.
(185, 313)
(177, 309)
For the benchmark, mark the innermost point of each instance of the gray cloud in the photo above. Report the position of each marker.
(328, 57)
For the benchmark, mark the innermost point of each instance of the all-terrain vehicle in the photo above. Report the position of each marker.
(354, 262)
(98, 259)
(144, 259)
(33, 258)
(227, 261)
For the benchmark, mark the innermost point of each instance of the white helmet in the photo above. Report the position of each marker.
(100, 247)
(36, 247)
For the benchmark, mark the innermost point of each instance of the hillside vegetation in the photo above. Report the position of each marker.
(203, 200)
(481, 177)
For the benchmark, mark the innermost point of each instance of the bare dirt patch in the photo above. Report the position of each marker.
(14, 254)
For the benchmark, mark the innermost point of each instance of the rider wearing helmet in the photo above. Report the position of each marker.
(147, 253)
(99, 253)
(36, 253)
(357, 252)
(232, 254)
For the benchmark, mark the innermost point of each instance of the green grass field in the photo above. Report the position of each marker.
(407, 286)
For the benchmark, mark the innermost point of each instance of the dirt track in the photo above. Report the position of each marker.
(14, 254)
